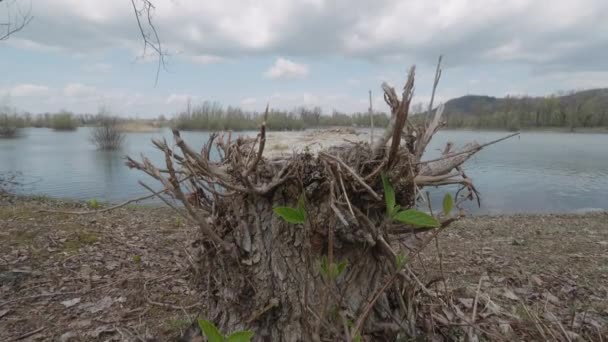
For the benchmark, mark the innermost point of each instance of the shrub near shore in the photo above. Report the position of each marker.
(63, 121)
(10, 125)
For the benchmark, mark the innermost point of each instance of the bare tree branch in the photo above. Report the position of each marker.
(144, 11)
(14, 22)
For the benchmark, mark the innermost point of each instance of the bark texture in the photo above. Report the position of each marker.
(280, 279)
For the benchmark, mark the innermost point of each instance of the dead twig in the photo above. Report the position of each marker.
(151, 38)
(353, 173)
(474, 314)
(472, 150)
(401, 114)
(88, 212)
(14, 24)
(261, 146)
(28, 334)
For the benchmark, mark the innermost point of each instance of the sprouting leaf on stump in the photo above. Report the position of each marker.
(210, 331)
(324, 266)
(341, 267)
(335, 270)
(332, 270)
(400, 260)
(389, 195)
(291, 215)
(416, 218)
(240, 336)
(302, 205)
(448, 204)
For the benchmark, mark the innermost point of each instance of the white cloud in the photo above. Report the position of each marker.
(248, 101)
(467, 31)
(178, 99)
(29, 90)
(80, 98)
(482, 39)
(78, 90)
(284, 69)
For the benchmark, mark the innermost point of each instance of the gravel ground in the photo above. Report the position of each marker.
(124, 274)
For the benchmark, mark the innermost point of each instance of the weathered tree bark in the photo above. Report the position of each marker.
(279, 279)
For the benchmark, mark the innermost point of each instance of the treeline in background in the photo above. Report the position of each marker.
(11, 122)
(207, 116)
(584, 109)
(212, 116)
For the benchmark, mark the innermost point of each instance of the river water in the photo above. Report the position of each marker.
(537, 172)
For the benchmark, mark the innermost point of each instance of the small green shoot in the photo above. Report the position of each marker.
(136, 259)
(448, 204)
(94, 204)
(400, 260)
(293, 215)
(410, 216)
(389, 196)
(334, 270)
(240, 336)
(416, 218)
(210, 330)
(214, 335)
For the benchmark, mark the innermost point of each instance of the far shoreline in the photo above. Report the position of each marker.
(136, 128)
(588, 130)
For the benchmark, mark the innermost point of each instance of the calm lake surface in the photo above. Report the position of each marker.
(537, 172)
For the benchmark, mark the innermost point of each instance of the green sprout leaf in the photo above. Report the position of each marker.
(301, 205)
(324, 267)
(293, 215)
(389, 195)
(290, 215)
(333, 271)
(240, 336)
(341, 267)
(136, 259)
(448, 204)
(416, 218)
(400, 260)
(210, 330)
(94, 204)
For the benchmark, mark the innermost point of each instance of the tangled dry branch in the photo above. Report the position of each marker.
(257, 263)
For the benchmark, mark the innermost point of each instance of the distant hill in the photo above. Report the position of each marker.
(587, 108)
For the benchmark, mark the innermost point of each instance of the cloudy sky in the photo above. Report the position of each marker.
(80, 54)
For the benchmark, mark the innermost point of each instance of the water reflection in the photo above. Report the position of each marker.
(540, 172)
